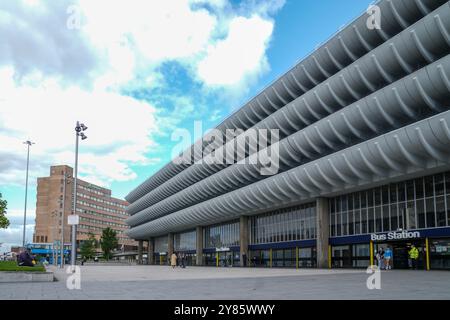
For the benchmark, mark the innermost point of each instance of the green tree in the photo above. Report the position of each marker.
(108, 242)
(4, 222)
(87, 248)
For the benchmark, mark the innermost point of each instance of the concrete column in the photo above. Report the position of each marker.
(199, 246)
(322, 232)
(170, 245)
(140, 245)
(151, 251)
(243, 240)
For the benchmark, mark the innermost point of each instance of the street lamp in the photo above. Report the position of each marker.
(80, 127)
(29, 144)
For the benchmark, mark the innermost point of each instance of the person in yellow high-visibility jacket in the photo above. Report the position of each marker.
(414, 256)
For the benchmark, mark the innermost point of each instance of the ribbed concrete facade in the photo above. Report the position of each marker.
(367, 108)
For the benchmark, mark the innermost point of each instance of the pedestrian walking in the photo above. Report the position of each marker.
(244, 260)
(388, 258)
(413, 256)
(380, 258)
(179, 260)
(173, 260)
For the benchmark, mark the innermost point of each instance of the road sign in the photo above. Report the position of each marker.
(73, 219)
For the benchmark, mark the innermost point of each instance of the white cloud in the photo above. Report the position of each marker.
(240, 55)
(13, 237)
(216, 115)
(14, 234)
(34, 38)
(140, 33)
(46, 113)
(51, 76)
(118, 39)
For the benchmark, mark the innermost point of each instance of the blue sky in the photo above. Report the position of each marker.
(135, 72)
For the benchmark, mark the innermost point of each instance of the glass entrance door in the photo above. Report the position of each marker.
(402, 261)
(400, 253)
(225, 259)
(341, 257)
(400, 256)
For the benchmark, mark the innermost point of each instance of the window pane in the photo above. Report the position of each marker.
(447, 182)
(344, 204)
(394, 217)
(371, 222)
(440, 212)
(428, 186)
(419, 188)
(333, 224)
(410, 215)
(314, 222)
(385, 213)
(430, 213)
(385, 195)
(356, 198)
(378, 220)
(439, 184)
(364, 199)
(350, 223)
(401, 191)
(364, 227)
(308, 222)
(377, 195)
(421, 213)
(370, 198)
(393, 193)
(338, 204)
(410, 190)
(338, 225)
(403, 221)
(448, 210)
(357, 218)
(345, 223)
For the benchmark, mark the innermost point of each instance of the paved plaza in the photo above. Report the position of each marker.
(162, 282)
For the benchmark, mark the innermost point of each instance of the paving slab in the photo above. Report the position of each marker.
(201, 283)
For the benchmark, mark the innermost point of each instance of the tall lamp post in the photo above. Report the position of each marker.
(29, 144)
(80, 127)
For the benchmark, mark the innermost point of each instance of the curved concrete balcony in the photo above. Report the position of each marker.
(342, 49)
(415, 97)
(410, 151)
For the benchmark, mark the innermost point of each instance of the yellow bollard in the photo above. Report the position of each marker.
(329, 257)
(270, 258)
(371, 253)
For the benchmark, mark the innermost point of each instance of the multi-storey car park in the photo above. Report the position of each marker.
(364, 159)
